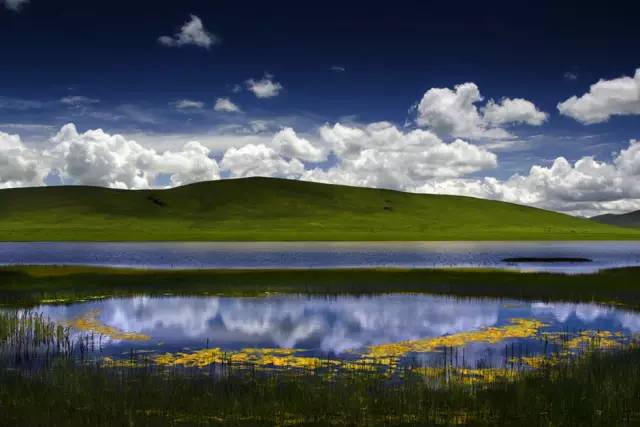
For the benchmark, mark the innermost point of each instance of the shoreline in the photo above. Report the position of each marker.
(29, 286)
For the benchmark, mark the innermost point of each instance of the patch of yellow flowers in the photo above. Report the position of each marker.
(89, 322)
(519, 328)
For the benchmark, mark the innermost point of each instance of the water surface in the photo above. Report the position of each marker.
(343, 327)
(326, 255)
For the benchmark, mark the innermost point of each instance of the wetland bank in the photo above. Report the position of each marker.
(345, 345)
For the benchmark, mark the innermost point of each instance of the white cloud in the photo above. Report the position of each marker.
(515, 110)
(187, 104)
(570, 76)
(291, 145)
(259, 160)
(338, 68)
(19, 166)
(225, 105)
(606, 98)
(98, 158)
(14, 5)
(454, 112)
(381, 155)
(265, 87)
(586, 187)
(191, 33)
(78, 101)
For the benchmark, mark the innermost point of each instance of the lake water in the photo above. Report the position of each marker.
(326, 255)
(483, 331)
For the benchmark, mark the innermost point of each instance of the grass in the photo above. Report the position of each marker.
(599, 389)
(28, 286)
(267, 209)
(48, 387)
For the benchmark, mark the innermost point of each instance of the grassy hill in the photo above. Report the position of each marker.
(631, 219)
(274, 209)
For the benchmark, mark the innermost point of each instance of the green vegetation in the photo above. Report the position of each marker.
(28, 286)
(600, 389)
(264, 209)
(43, 366)
(631, 219)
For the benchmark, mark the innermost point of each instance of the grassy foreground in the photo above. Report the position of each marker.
(28, 286)
(267, 209)
(602, 389)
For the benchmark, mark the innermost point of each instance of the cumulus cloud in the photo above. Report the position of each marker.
(291, 145)
(191, 33)
(381, 155)
(98, 158)
(338, 68)
(606, 98)
(586, 187)
(454, 112)
(225, 105)
(260, 160)
(375, 155)
(516, 110)
(187, 104)
(19, 166)
(14, 5)
(265, 87)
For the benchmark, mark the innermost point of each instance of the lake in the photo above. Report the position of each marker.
(327, 255)
(404, 328)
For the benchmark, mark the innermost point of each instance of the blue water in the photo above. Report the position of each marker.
(340, 327)
(324, 255)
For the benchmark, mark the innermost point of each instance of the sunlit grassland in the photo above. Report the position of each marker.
(28, 286)
(268, 209)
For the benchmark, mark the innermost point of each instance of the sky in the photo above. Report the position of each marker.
(536, 103)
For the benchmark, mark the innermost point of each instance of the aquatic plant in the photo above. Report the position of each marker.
(90, 322)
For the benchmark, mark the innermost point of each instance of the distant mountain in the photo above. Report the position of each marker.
(268, 209)
(631, 219)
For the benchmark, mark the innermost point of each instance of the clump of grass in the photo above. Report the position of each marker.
(29, 338)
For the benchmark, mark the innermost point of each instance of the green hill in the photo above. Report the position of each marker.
(631, 219)
(275, 209)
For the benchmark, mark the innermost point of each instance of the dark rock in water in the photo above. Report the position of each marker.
(544, 259)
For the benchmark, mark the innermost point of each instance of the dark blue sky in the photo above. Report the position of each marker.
(392, 53)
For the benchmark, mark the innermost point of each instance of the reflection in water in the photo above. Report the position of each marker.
(329, 325)
(336, 326)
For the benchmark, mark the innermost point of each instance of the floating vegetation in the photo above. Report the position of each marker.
(519, 328)
(273, 357)
(89, 322)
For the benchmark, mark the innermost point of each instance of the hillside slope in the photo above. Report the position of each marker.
(631, 219)
(274, 209)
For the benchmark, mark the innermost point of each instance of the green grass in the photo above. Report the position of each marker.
(601, 389)
(28, 286)
(264, 209)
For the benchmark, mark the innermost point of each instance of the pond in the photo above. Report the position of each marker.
(598, 255)
(302, 331)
